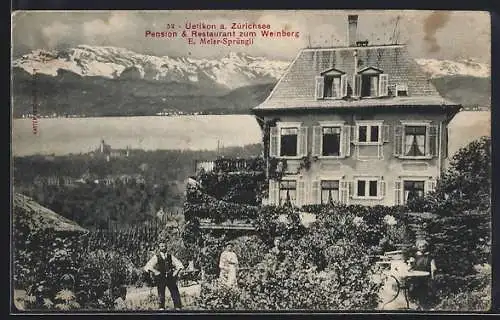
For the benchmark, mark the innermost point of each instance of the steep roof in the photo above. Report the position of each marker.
(296, 88)
(41, 217)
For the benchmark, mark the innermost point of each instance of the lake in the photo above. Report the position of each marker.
(75, 135)
(79, 135)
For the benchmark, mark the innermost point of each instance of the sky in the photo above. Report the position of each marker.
(449, 35)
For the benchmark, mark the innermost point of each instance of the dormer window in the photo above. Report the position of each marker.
(401, 90)
(371, 82)
(331, 84)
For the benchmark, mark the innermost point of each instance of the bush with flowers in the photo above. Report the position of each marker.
(322, 269)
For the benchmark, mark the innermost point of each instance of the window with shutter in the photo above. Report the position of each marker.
(292, 139)
(332, 87)
(412, 189)
(368, 188)
(320, 87)
(329, 139)
(368, 132)
(289, 141)
(401, 90)
(273, 144)
(330, 191)
(419, 140)
(383, 85)
(287, 192)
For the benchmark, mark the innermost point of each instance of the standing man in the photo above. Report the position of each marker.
(165, 268)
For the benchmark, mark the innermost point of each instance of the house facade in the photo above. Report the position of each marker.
(358, 124)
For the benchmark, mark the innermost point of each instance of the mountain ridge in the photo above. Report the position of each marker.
(111, 81)
(231, 71)
(236, 69)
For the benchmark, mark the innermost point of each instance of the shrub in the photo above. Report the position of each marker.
(242, 187)
(101, 275)
(250, 250)
(218, 297)
(476, 296)
(461, 234)
(322, 269)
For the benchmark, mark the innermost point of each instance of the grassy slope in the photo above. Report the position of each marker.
(468, 91)
(95, 96)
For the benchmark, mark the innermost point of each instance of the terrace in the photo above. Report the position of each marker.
(226, 165)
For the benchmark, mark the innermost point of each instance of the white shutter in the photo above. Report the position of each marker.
(397, 193)
(381, 188)
(343, 85)
(273, 192)
(315, 192)
(302, 147)
(398, 140)
(317, 140)
(433, 141)
(386, 132)
(431, 185)
(354, 134)
(356, 85)
(445, 141)
(383, 84)
(346, 141)
(301, 193)
(380, 151)
(320, 87)
(344, 192)
(273, 143)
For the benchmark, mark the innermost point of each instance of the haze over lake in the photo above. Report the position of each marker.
(80, 135)
(75, 135)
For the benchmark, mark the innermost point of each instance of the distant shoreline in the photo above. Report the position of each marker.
(201, 113)
(29, 116)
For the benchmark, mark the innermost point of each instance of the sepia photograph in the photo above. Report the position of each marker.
(250, 161)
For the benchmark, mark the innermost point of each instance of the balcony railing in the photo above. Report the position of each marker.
(230, 165)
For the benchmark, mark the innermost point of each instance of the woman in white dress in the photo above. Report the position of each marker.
(228, 265)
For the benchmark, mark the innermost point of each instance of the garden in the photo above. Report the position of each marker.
(284, 264)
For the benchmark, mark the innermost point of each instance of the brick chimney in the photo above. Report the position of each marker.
(352, 25)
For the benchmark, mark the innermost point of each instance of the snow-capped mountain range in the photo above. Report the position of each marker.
(231, 71)
(440, 68)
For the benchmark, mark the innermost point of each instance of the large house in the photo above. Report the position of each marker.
(359, 124)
